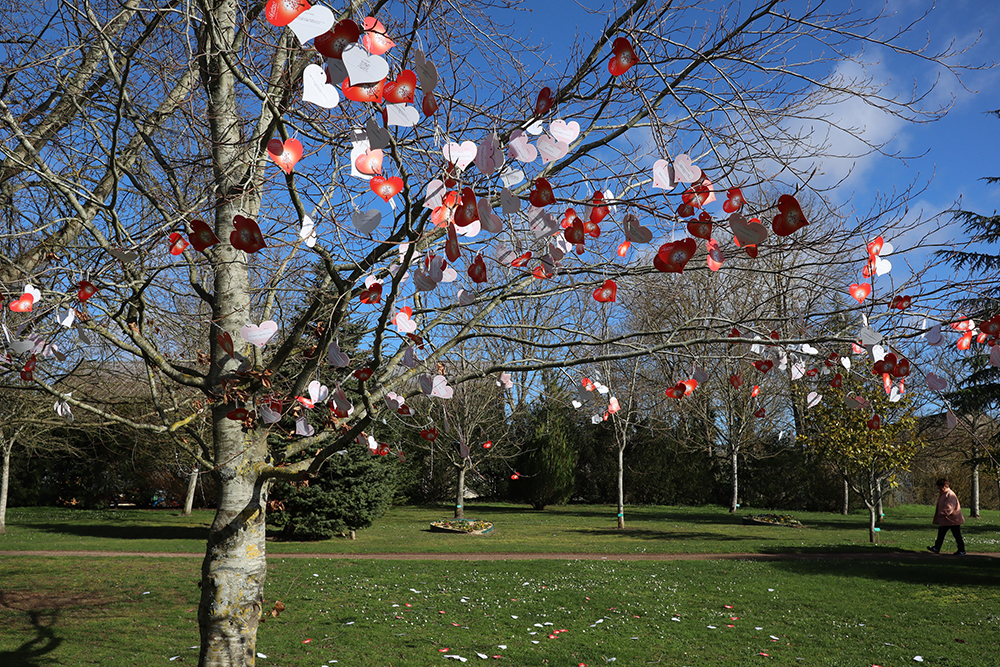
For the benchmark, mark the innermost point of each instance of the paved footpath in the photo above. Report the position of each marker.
(887, 555)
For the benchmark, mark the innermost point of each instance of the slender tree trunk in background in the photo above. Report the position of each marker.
(460, 499)
(621, 488)
(878, 490)
(192, 487)
(4, 480)
(734, 501)
(974, 491)
(845, 509)
(871, 523)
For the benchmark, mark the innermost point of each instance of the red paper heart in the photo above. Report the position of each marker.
(515, 476)
(286, 154)
(574, 233)
(677, 391)
(623, 248)
(429, 104)
(672, 257)
(902, 368)
(624, 57)
(542, 194)
(467, 211)
(875, 247)
(366, 92)
(371, 295)
(27, 376)
(522, 260)
(246, 236)
(540, 273)
(177, 243)
(451, 248)
(760, 413)
(477, 270)
(860, 292)
(488, 444)
(370, 162)
(875, 422)
(238, 415)
(901, 302)
(386, 188)
(363, 373)
(429, 434)
(85, 290)
(965, 342)
(225, 341)
(332, 43)
(837, 380)
(23, 304)
(689, 386)
(702, 230)
(790, 217)
(375, 39)
(544, 101)
(734, 201)
(606, 293)
(598, 209)
(282, 12)
(685, 211)
(763, 365)
(755, 391)
(736, 381)
(201, 235)
(401, 90)
(697, 195)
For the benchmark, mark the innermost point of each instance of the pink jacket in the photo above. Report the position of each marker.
(949, 512)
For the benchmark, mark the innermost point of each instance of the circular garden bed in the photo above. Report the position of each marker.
(462, 526)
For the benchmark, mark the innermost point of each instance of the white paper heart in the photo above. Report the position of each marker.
(268, 414)
(505, 382)
(259, 335)
(465, 297)
(634, 231)
(748, 233)
(699, 374)
(402, 115)
(550, 149)
(436, 386)
(535, 128)
(435, 194)
(685, 171)
(472, 229)
(378, 138)
(520, 149)
(895, 394)
(563, 131)
(335, 357)
(308, 232)
(809, 349)
(869, 336)
(22, 346)
(951, 420)
(933, 335)
(342, 406)
(882, 266)
(813, 399)
(489, 157)
(936, 382)
(886, 249)
(63, 409)
(663, 175)
(878, 353)
(66, 317)
(363, 67)
(303, 427)
(542, 223)
(845, 362)
(426, 72)
(316, 90)
(359, 146)
(489, 221)
(82, 334)
(509, 202)
(461, 155)
(311, 23)
(403, 322)
(318, 392)
(366, 221)
(511, 177)
(123, 255)
(33, 292)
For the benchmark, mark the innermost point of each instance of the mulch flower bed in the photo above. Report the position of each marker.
(772, 520)
(462, 526)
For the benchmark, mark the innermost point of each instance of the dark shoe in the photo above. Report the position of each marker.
(935, 550)
(959, 553)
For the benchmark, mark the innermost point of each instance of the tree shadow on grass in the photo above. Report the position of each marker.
(122, 532)
(980, 572)
(667, 535)
(33, 651)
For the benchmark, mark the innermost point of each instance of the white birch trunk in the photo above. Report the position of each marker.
(621, 488)
(4, 484)
(734, 500)
(460, 499)
(192, 487)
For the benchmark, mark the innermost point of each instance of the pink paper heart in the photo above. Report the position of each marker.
(259, 335)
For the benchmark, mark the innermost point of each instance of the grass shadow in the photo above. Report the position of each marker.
(666, 535)
(32, 652)
(975, 572)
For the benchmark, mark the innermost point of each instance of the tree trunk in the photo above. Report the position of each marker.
(845, 508)
(974, 490)
(734, 501)
(4, 480)
(879, 513)
(460, 499)
(192, 487)
(234, 569)
(871, 523)
(621, 488)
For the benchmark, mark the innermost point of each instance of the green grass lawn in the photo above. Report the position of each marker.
(115, 612)
(566, 529)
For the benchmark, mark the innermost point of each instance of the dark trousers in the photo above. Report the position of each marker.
(956, 531)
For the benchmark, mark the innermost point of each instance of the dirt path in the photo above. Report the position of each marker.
(906, 555)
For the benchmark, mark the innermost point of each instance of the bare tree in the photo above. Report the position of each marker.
(123, 127)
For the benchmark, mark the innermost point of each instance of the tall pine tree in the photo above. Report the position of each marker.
(547, 465)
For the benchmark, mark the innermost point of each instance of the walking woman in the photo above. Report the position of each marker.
(948, 516)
